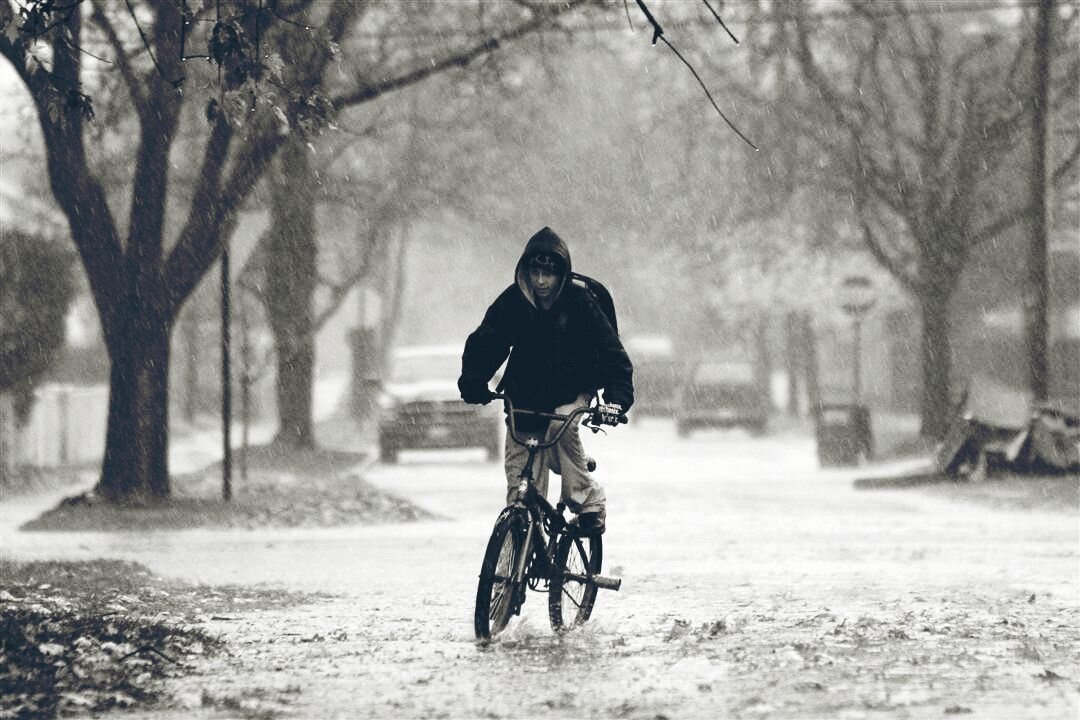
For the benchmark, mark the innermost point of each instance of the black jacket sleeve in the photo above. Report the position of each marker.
(616, 372)
(487, 346)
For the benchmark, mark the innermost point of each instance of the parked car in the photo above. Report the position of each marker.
(420, 406)
(657, 375)
(721, 394)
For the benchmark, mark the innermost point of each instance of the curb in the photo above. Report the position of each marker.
(904, 481)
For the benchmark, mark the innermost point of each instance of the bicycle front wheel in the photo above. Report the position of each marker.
(571, 596)
(497, 592)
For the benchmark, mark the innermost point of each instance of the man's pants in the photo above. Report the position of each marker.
(567, 458)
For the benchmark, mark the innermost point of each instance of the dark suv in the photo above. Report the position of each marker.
(420, 406)
(719, 394)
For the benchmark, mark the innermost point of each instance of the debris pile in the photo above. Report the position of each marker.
(1042, 438)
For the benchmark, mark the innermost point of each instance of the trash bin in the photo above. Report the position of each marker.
(844, 436)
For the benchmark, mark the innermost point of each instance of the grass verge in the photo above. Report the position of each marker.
(316, 487)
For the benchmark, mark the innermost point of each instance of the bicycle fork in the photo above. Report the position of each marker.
(517, 574)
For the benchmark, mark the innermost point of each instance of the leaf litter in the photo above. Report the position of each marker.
(101, 635)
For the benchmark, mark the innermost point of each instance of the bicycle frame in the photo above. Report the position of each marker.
(541, 513)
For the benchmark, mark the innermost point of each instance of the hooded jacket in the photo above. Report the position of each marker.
(555, 354)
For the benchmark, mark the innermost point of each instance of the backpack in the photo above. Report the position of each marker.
(600, 294)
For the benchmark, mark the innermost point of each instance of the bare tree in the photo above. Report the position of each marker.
(385, 196)
(137, 282)
(918, 119)
(139, 273)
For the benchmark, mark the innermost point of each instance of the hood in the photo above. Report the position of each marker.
(545, 240)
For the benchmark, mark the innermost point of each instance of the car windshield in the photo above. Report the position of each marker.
(410, 367)
(723, 374)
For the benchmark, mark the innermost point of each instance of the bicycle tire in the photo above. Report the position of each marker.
(496, 594)
(570, 600)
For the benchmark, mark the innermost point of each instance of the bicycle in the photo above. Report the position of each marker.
(534, 547)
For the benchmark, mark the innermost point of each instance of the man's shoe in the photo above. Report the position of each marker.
(591, 523)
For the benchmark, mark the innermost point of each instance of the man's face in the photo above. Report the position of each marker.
(544, 282)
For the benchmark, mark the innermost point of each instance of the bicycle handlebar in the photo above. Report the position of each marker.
(565, 419)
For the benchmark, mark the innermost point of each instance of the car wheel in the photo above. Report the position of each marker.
(826, 459)
(387, 453)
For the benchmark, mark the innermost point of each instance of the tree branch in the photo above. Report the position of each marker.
(834, 100)
(894, 141)
(15, 53)
(1005, 221)
(366, 92)
(1012, 217)
(138, 98)
(896, 267)
(192, 253)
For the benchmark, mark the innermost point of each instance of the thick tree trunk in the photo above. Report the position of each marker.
(291, 271)
(936, 359)
(135, 470)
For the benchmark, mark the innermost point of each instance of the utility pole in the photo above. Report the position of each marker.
(226, 385)
(1037, 292)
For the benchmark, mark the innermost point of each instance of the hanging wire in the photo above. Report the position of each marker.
(658, 34)
(721, 21)
(709, 95)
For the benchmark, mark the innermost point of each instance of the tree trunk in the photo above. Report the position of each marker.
(135, 470)
(190, 331)
(791, 362)
(1037, 290)
(809, 352)
(936, 359)
(291, 272)
(394, 290)
(763, 364)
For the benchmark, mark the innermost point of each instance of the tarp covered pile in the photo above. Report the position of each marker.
(1000, 429)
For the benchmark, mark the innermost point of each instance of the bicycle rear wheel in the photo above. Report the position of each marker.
(570, 596)
(497, 593)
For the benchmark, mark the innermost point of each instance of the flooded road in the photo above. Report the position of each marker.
(754, 585)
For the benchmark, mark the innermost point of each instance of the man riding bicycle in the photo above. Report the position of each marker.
(562, 349)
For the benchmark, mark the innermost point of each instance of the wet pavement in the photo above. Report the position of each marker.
(754, 585)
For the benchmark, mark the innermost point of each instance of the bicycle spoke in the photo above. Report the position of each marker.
(572, 601)
(496, 606)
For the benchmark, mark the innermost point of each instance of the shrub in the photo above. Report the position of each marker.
(36, 288)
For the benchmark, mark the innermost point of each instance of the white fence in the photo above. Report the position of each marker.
(66, 427)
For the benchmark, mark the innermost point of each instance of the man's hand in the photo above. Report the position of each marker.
(609, 413)
(475, 393)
